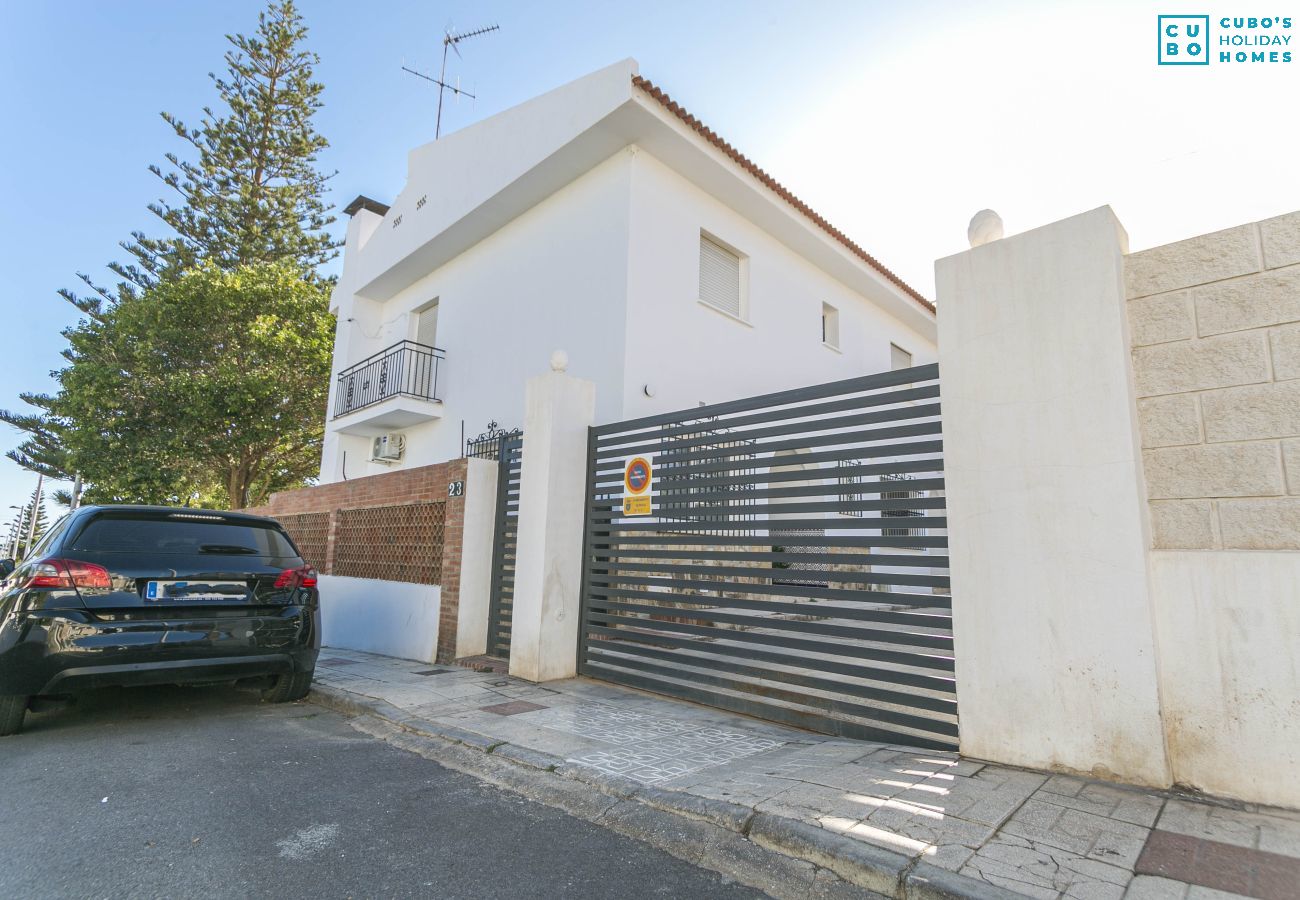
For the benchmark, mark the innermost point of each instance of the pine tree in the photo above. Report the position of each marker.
(251, 196)
(33, 507)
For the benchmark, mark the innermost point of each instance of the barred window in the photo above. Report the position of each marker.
(847, 485)
(693, 478)
(900, 493)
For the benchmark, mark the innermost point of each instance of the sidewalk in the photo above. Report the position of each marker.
(895, 820)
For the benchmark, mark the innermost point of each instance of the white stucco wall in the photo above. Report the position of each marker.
(479, 532)
(608, 270)
(388, 617)
(1228, 625)
(1052, 618)
(554, 278)
(690, 352)
(545, 609)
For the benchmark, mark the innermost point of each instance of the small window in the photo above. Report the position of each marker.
(426, 325)
(720, 277)
(830, 326)
(901, 492)
(899, 358)
(851, 490)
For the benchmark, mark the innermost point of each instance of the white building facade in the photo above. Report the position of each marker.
(603, 220)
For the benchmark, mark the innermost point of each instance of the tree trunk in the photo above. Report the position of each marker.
(237, 484)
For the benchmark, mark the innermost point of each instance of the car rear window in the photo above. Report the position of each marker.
(112, 534)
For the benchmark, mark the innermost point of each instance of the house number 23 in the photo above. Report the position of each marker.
(456, 489)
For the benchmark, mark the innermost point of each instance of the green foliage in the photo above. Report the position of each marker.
(253, 193)
(210, 388)
(250, 204)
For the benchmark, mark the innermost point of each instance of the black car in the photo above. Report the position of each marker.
(130, 595)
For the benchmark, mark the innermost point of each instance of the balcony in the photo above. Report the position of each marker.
(396, 388)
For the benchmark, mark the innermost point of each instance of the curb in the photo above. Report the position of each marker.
(855, 862)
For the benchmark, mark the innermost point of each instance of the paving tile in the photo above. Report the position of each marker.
(735, 790)
(513, 708)
(965, 768)
(881, 837)
(1151, 887)
(1221, 866)
(441, 708)
(948, 856)
(1039, 834)
(988, 797)
(813, 802)
(1065, 785)
(1084, 834)
(1035, 869)
(1205, 820)
(1197, 892)
(928, 825)
(1107, 800)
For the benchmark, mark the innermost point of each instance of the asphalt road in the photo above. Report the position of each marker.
(206, 792)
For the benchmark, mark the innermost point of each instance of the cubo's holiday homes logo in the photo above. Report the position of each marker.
(1182, 40)
(1186, 40)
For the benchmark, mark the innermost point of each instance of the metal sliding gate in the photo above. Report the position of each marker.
(793, 565)
(509, 453)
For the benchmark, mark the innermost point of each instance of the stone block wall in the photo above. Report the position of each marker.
(1215, 327)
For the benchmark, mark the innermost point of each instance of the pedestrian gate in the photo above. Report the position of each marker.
(509, 453)
(792, 565)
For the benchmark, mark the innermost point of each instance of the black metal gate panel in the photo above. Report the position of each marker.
(793, 565)
(504, 544)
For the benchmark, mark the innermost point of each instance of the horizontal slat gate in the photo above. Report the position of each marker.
(500, 606)
(793, 565)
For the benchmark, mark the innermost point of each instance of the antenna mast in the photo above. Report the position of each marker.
(449, 41)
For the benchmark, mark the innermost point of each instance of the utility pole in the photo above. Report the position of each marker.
(76, 492)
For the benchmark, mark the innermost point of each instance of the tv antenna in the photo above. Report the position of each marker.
(449, 41)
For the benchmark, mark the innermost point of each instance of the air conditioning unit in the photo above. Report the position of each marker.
(388, 448)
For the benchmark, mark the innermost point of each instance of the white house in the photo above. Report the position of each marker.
(602, 219)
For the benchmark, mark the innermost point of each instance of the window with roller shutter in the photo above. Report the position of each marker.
(720, 277)
(426, 325)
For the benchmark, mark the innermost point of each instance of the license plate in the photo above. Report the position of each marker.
(161, 591)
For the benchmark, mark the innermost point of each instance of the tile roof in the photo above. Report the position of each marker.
(775, 186)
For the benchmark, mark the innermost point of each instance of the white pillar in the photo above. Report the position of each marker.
(1052, 615)
(548, 559)
(476, 557)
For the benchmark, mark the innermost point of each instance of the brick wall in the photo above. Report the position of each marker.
(413, 500)
(1215, 325)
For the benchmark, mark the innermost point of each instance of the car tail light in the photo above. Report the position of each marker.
(67, 573)
(303, 576)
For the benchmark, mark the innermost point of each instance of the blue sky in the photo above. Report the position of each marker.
(896, 120)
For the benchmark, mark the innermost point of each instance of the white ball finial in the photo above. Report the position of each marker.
(559, 361)
(985, 226)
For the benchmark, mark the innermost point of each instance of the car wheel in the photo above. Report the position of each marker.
(12, 710)
(286, 688)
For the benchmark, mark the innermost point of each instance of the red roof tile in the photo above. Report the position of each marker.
(775, 186)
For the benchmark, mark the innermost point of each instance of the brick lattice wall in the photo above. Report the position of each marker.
(311, 532)
(360, 512)
(391, 543)
(1215, 324)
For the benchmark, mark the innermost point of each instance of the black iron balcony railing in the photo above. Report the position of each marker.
(405, 369)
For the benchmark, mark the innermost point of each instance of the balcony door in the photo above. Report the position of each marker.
(426, 325)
